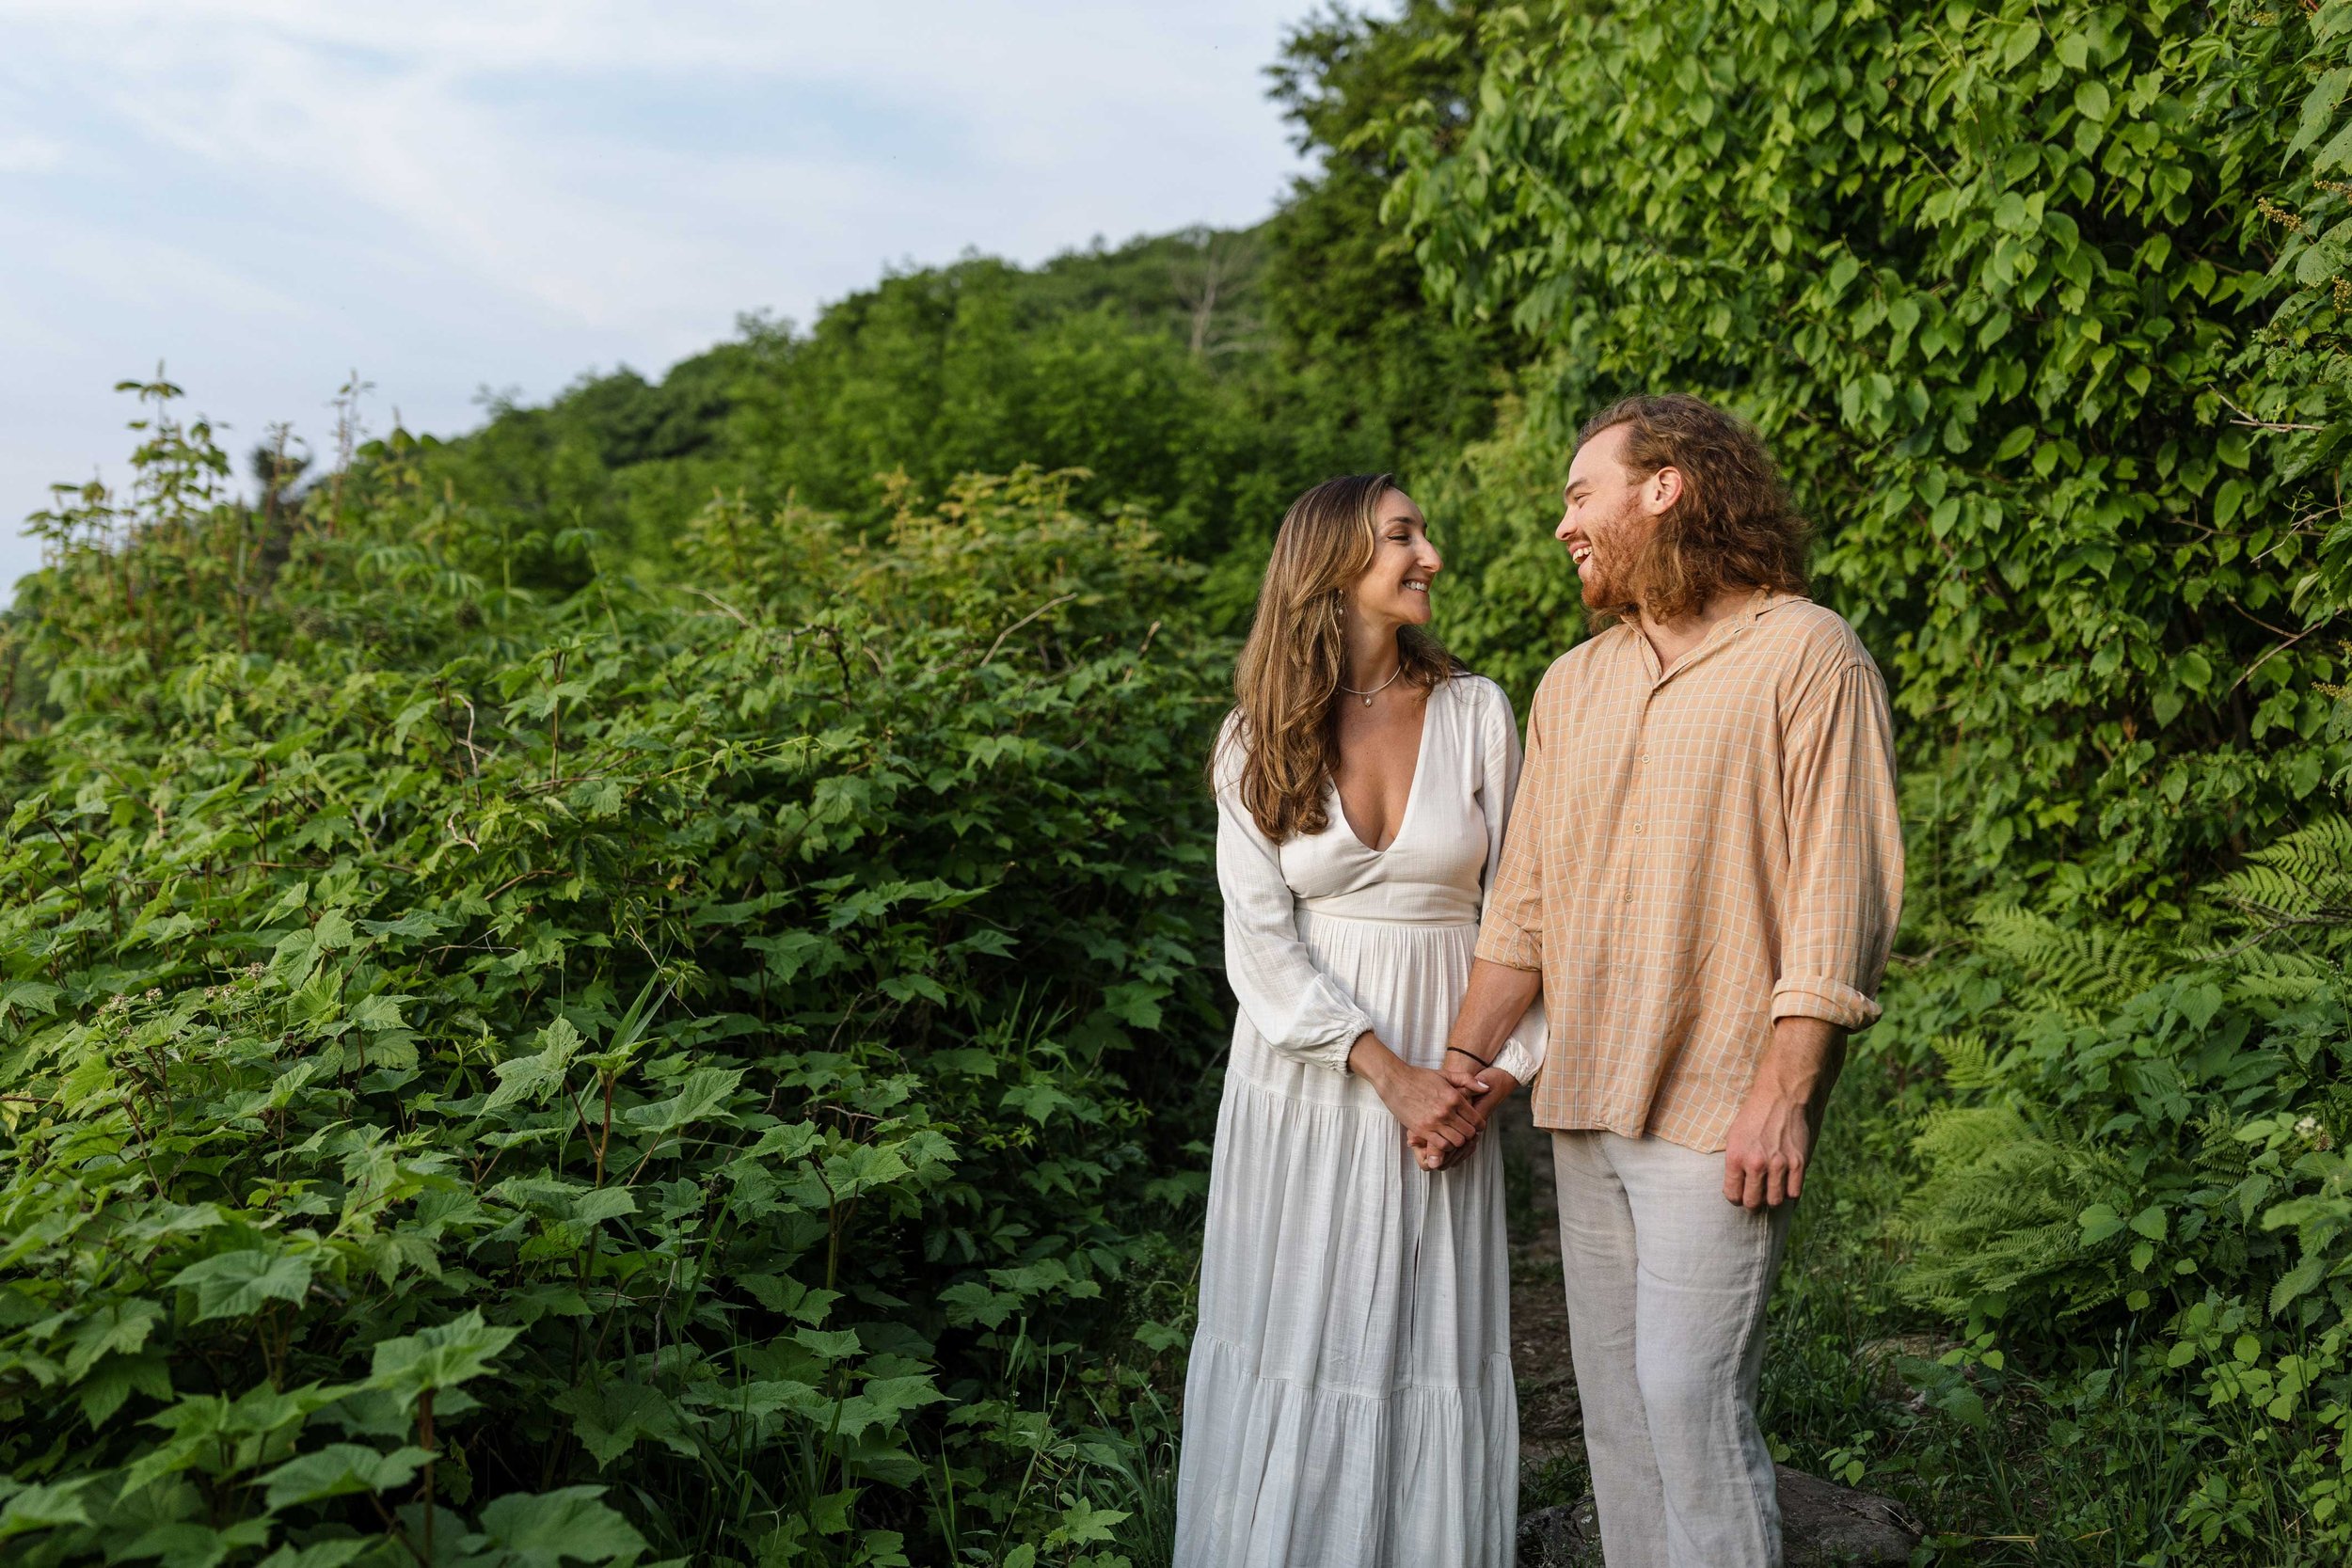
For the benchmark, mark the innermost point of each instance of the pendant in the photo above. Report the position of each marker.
(1367, 702)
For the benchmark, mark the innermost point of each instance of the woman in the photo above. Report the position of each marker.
(1349, 1400)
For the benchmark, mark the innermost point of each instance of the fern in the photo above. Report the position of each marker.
(2301, 883)
(2069, 969)
(2136, 1125)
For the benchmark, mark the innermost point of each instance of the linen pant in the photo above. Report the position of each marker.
(1666, 1285)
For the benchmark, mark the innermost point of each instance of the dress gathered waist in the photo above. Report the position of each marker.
(1349, 906)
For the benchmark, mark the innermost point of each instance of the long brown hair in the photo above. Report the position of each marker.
(1291, 666)
(1734, 525)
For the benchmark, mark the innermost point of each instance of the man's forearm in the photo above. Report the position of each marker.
(1802, 1064)
(1498, 997)
(1771, 1141)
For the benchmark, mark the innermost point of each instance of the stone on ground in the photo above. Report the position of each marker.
(1822, 1524)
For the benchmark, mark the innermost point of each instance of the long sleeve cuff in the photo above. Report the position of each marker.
(1330, 1053)
(1819, 996)
(1522, 1052)
(1502, 942)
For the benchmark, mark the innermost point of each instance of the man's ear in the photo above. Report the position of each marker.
(1663, 490)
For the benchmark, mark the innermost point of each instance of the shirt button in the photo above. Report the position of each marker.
(1638, 828)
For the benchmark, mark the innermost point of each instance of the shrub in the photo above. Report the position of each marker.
(2141, 1176)
(508, 1081)
(1997, 285)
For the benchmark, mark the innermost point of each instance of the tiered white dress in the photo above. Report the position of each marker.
(1349, 1402)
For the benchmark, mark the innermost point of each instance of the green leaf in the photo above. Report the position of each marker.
(535, 1076)
(609, 1420)
(28, 996)
(322, 1554)
(702, 1096)
(194, 1545)
(1082, 1523)
(444, 1356)
(115, 1379)
(119, 1325)
(555, 1527)
(234, 1284)
(44, 1506)
(338, 1469)
(2318, 108)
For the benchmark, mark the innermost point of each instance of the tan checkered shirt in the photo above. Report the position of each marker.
(1693, 855)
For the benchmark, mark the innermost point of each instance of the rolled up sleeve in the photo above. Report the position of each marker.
(1845, 852)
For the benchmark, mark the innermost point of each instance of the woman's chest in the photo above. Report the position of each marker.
(1439, 839)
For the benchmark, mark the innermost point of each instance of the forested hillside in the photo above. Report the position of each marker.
(639, 984)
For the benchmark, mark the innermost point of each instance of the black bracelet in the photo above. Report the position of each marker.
(1458, 1050)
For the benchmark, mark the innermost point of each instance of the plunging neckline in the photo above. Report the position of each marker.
(1412, 788)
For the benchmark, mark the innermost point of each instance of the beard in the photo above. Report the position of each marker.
(1607, 580)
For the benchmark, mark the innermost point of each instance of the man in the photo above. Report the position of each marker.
(1702, 878)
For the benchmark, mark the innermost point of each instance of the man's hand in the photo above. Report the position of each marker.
(1496, 999)
(1435, 1114)
(1771, 1138)
(1488, 1088)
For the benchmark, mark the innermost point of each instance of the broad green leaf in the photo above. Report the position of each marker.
(339, 1468)
(43, 1506)
(556, 1528)
(117, 1326)
(442, 1356)
(234, 1284)
(610, 1419)
(702, 1096)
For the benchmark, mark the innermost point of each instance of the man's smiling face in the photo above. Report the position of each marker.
(1604, 521)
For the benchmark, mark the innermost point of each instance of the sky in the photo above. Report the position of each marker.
(453, 196)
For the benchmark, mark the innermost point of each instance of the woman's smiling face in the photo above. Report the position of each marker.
(1395, 587)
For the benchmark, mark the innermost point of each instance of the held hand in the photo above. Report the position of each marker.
(1435, 1114)
(1488, 1087)
(1765, 1154)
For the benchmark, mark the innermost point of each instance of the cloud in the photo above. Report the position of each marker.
(23, 152)
(448, 194)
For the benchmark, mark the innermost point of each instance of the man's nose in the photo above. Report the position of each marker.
(1565, 529)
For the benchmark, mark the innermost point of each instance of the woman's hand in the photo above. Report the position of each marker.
(1435, 1114)
(1488, 1087)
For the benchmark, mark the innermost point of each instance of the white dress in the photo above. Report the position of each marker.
(1349, 1402)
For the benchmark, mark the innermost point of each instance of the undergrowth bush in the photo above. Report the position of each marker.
(2137, 1191)
(653, 1074)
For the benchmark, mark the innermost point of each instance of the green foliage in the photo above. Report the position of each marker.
(1996, 287)
(494, 1079)
(1147, 367)
(1343, 294)
(2142, 1148)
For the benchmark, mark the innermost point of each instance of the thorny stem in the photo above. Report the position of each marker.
(424, 1441)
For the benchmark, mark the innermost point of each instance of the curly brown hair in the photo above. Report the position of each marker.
(1288, 676)
(1734, 525)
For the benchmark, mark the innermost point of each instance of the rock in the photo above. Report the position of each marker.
(1564, 1537)
(1822, 1524)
